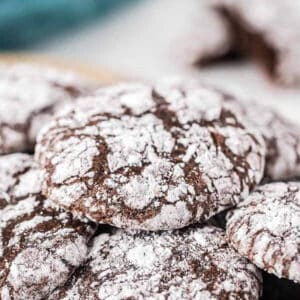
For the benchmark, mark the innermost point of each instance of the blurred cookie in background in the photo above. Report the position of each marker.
(29, 96)
(265, 31)
(268, 31)
(205, 38)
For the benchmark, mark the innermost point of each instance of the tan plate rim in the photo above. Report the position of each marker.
(97, 75)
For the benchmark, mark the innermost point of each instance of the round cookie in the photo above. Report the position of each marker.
(192, 263)
(40, 247)
(149, 157)
(266, 229)
(29, 96)
(281, 136)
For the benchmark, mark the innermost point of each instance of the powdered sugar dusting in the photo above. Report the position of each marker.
(199, 102)
(266, 229)
(29, 96)
(177, 147)
(26, 271)
(19, 175)
(72, 164)
(282, 137)
(133, 141)
(39, 246)
(194, 263)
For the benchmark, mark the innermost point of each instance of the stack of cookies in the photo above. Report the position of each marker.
(129, 186)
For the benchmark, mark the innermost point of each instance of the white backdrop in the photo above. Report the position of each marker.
(145, 42)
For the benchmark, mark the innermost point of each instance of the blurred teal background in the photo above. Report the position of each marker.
(25, 22)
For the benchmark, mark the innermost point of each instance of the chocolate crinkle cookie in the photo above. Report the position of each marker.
(192, 263)
(266, 229)
(268, 31)
(29, 96)
(40, 247)
(150, 157)
(282, 137)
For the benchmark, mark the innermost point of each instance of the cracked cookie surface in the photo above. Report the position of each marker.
(282, 137)
(149, 157)
(191, 263)
(40, 247)
(265, 228)
(30, 95)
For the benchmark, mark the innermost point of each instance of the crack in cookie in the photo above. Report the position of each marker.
(40, 246)
(265, 228)
(191, 263)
